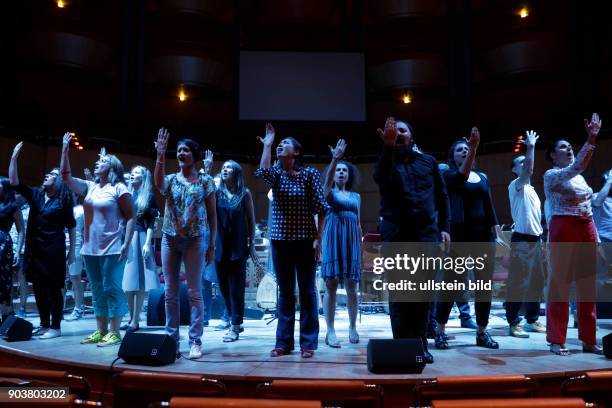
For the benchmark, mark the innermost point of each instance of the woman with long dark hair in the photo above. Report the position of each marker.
(45, 250)
(109, 227)
(189, 218)
(341, 248)
(235, 234)
(140, 275)
(9, 214)
(473, 219)
(295, 238)
(573, 242)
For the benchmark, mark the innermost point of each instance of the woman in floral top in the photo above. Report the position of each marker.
(573, 239)
(296, 240)
(190, 212)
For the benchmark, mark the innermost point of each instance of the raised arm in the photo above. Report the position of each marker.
(383, 169)
(337, 153)
(208, 161)
(13, 171)
(267, 141)
(600, 197)
(557, 176)
(472, 143)
(528, 164)
(159, 174)
(75, 184)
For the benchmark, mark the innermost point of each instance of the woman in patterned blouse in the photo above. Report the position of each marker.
(295, 238)
(190, 212)
(573, 240)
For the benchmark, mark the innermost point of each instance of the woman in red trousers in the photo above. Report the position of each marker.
(573, 242)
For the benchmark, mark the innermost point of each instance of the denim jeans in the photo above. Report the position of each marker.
(192, 252)
(105, 274)
(291, 258)
(525, 279)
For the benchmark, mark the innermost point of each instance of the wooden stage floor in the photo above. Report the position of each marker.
(248, 359)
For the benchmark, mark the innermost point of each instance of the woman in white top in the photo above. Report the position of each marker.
(109, 216)
(573, 242)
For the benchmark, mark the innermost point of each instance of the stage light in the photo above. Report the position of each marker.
(521, 137)
(406, 98)
(182, 95)
(61, 3)
(524, 12)
(80, 147)
(76, 143)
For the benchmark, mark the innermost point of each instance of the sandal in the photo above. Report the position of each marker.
(484, 339)
(353, 336)
(559, 349)
(307, 353)
(331, 344)
(277, 352)
(230, 336)
(591, 348)
(441, 341)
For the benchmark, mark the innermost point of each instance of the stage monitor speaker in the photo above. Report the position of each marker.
(16, 329)
(607, 345)
(156, 307)
(400, 356)
(148, 349)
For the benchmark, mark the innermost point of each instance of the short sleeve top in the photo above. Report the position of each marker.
(185, 215)
(104, 221)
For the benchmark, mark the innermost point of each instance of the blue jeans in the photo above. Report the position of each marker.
(105, 274)
(192, 252)
(291, 258)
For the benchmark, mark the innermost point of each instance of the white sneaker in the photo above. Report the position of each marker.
(195, 352)
(51, 334)
(39, 331)
(75, 315)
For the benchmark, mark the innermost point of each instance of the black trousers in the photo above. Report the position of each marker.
(478, 234)
(231, 276)
(409, 319)
(50, 304)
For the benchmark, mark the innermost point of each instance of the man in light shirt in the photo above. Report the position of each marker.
(526, 277)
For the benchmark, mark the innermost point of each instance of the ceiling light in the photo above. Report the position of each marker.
(524, 12)
(406, 98)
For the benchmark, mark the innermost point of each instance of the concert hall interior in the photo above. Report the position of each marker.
(305, 203)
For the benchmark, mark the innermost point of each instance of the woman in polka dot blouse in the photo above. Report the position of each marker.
(295, 238)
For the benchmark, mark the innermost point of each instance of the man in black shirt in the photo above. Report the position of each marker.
(412, 193)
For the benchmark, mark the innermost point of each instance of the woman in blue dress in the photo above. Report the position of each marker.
(341, 248)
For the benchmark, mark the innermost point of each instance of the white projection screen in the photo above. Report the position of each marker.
(302, 86)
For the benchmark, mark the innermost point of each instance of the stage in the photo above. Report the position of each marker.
(247, 361)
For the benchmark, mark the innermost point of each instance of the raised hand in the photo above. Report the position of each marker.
(269, 138)
(66, 141)
(532, 138)
(608, 176)
(87, 174)
(389, 135)
(594, 126)
(338, 151)
(17, 150)
(474, 139)
(208, 160)
(162, 141)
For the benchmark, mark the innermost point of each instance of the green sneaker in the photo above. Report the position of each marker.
(110, 339)
(95, 337)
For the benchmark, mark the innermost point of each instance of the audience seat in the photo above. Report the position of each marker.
(184, 402)
(507, 386)
(140, 388)
(39, 378)
(512, 403)
(358, 393)
(593, 386)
